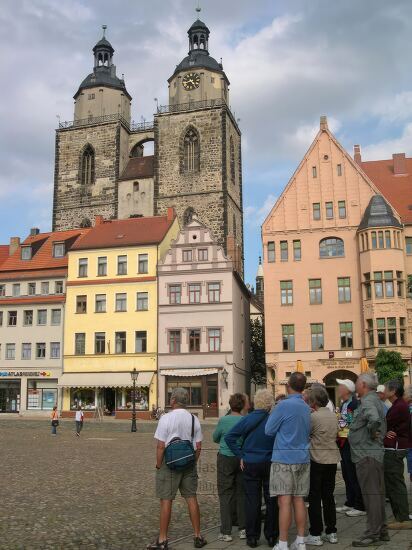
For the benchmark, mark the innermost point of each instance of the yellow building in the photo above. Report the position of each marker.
(111, 315)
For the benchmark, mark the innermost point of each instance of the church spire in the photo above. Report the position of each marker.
(103, 51)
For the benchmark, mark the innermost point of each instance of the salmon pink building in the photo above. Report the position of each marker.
(337, 261)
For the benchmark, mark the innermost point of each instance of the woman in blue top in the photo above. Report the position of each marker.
(229, 474)
(255, 454)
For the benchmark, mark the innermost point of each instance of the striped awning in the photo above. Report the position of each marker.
(104, 379)
(188, 372)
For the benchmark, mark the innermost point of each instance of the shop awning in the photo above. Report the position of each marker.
(103, 379)
(188, 372)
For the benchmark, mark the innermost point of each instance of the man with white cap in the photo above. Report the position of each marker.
(353, 506)
(380, 390)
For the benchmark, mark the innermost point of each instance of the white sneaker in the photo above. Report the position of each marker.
(342, 509)
(312, 540)
(354, 513)
(242, 533)
(298, 546)
(225, 538)
(277, 547)
(332, 538)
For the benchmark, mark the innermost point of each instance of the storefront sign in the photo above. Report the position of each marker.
(14, 373)
(339, 363)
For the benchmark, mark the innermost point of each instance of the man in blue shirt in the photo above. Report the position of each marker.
(290, 471)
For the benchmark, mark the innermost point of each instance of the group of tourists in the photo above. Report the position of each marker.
(283, 453)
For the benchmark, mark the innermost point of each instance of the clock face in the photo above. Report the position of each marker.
(191, 81)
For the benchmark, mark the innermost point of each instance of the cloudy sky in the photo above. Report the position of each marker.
(289, 61)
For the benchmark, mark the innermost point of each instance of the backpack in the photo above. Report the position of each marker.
(179, 453)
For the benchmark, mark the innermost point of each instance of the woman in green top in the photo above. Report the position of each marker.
(229, 473)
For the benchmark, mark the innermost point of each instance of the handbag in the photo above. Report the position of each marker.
(179, 453)
(55, 423)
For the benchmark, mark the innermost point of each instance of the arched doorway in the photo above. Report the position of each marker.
(331, 384)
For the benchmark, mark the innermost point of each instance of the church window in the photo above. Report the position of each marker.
(232, 161)
(135, 186)
(191, 159)
(188, 215)
(87, 166)
(234, 225)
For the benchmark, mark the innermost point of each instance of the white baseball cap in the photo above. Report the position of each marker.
(380, 388)
(347, 383)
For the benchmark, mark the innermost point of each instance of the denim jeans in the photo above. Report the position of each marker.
(53, 429)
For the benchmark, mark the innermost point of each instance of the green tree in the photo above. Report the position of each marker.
(389, 365)
(257, 352)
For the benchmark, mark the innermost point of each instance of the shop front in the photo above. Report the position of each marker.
(10, 396)
(28, 391)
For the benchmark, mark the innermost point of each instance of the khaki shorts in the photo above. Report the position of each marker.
(168, 482)
(289, 479)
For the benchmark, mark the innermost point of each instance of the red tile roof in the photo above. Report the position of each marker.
(138, 167)
(130, 232)
(397, 189)
(42, 252)
(4, 252)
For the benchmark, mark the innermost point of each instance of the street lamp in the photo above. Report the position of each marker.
(134, 374)
(225, 376)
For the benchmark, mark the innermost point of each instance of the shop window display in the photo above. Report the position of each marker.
(124, 399)
(86, 397)
(41, 395)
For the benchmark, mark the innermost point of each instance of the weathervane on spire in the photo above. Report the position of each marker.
(198, 9)
(104, 27)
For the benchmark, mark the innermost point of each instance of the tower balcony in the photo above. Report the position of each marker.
(104, 119)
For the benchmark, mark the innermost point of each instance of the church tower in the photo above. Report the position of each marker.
(198, 167)
(93, 149)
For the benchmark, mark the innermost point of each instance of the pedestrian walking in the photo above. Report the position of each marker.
(324, 456)
(54, 420)
(79, 420)
(366, 435)
(179, 443)
(229, 473)
(353, 506)
(247, 440)
(289, 423)
(397, 442)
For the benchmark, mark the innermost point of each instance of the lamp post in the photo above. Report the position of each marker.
(134, 374)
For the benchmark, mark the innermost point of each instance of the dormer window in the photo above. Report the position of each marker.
(187, 255)
(58, 250)
(26, 252)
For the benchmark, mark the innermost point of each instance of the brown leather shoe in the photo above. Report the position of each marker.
(399, 525)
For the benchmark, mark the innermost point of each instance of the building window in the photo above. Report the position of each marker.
(31, 289)
(81, 304)
(271, 251)
(99, 343)
(175, 341)
(329, 210)
(388, 242)
(315, 291)
(142, 301)
(135, 187)
(122, 265)
(346, 335)
(344, 293)
(214, 339)
(120, 340)
(90, 96)
(10, 351)
(41, 395)
(141, 341)
(284, 251)
(100, 303)
(202, 255)
(187, 255)
(12, 318)
(83, 267)
(316, 330)
(87, 166)
(58, 250)
(191, 152)
(26, 252)
(194, 389)
(368, 286)
(54, 350)
(232, 161)
(381, 326)
(3, 290)
(102, 266)
(121, 301)
(213, 290)
(408, 241)
(374, 240)
(402, 331)
(28, 317)
(297, 251)
(392, 338)
(84, 397)
(316, 210)
(331, 247)
(1, 324)
(378, 284)
(194, 293)
(44, 289)
(314, 172)
(143, 263)
(342, 209)
(56, 315)
(389, 288)
(175, 294)
(58, 287)
(79, 343)
(399, 283)
(194, 340)
(41, 350)
(26, 351)
(288, 337)
(188, 215)
(380, 239)
(286, 293)
(369, 329)
(16, 289)
(339, 169)
(42, 317)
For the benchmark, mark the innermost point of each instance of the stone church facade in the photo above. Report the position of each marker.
(196, 166)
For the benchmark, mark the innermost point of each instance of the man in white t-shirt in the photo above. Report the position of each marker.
(177, 423)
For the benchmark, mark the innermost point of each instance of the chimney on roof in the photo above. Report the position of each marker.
(323, 122)
(14, 245)
(357, 154)
(34, 231)
(171, 214)
(399, 164)
(98, 220)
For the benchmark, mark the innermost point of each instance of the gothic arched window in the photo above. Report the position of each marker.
(234, 225)
(331, 247)
(191, 151)
(87, 166)
(232, 161)
(188, 215)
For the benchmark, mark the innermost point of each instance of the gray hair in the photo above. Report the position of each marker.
(370, 379)
(263, 399)
(396, 386)
(180, 396)
(317, 395)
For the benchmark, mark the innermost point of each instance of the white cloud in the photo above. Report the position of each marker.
(385, 148)
(255, 216)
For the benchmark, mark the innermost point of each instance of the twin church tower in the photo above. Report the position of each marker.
(101, 168)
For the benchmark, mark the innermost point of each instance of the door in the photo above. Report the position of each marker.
(109, 400)
(9, 396)
(211, 405)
